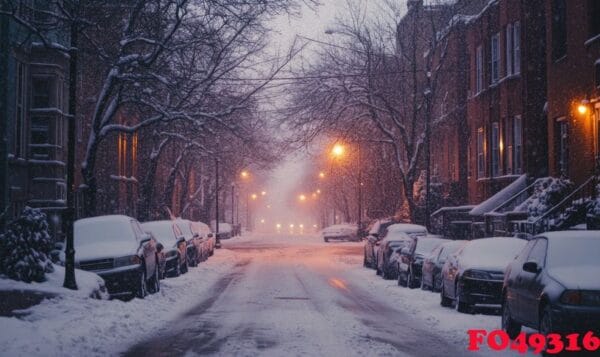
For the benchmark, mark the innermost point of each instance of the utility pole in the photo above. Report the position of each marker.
(359, 216)
(69, 214)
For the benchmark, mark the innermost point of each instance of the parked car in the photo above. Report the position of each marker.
(387, 266)
(474, 275)
(375, 235)
(117, 249)
(410, 262)
(173, 252)
(431, 276)
(346, 231)
(225, 231)
(554, 285)
(207, 239)
(193, 242)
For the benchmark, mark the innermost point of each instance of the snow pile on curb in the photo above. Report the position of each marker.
(75, 325)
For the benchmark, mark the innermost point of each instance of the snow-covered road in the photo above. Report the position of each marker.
(290, 296)
(264, 295)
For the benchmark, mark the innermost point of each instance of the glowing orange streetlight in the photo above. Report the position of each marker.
(302, 197)
(338, 150)
(264, 193)
(318, 191)
(254, 196)
(245, 174)
(582, 109)
(321, 175)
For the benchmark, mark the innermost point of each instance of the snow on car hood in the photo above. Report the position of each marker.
(101, 250)
(583, 277)
(490, 253)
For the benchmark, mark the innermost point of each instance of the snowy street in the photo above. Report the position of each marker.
(299, 296)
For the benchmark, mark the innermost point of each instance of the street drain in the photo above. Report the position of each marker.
(291, 298)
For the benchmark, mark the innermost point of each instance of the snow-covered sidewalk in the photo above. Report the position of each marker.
(75, 325)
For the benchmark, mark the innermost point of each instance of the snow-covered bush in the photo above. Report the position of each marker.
(24, 247)
(547, 192)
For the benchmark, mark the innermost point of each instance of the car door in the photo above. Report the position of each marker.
(429, 265)
(532, 283)
(147, 248)
(451, 272)
(514, 281)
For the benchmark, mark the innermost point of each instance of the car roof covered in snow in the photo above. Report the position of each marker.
(115, 218)
(406, 228)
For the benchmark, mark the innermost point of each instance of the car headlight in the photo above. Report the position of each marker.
(577, 297)
(127, 260)
(477, 274)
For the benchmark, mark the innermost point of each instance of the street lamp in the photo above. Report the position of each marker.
(338, 150)
(302, 197)
(245, 174)
(321, 175)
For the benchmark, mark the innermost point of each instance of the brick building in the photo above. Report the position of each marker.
(34, 95)
(573, 63)
(506, 100)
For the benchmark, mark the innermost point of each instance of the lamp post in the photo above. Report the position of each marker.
(218, 241)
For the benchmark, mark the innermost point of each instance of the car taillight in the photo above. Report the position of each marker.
(571, 297)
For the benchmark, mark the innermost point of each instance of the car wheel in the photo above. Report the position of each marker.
(461, 306)
(184, 267)
(509, 325)
(384, 273)
(141, 289)
(423, 286)
(444, 301)
(154, 283)
(410, 280)
(365, 265)
(437, 283)
(326, 240)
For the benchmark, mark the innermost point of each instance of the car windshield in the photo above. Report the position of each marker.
(396, 244)
(162, 231)
(450, 248)
(91, 232)
(426, 245)
(575, 251)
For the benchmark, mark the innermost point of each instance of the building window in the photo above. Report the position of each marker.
(19, 129)
(562, 146)
(480, 153)
(43, 92)
(516, 48)
(594, 18)
(122, 151)
(479, 70)
(509, 50)
(518, 144)
(40, 138)
(559, 29)
(495, 65)
(495, 149)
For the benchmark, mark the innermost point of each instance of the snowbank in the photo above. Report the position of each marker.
(75, 325)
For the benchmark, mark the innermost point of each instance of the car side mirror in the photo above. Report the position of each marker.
(181, 240)
(196, 235)
(378, 243)
(159, 247)
(405, 251)
(145, 239)
(210, 235)
(531, 267)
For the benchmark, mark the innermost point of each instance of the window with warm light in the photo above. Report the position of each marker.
(495, 149)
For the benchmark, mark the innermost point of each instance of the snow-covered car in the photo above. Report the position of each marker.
(431, 276)
(554, 285)
(340, 232)
(172, 247)
(387, 265)
(474, 275)
(118, 250)
(375, 234)
(193, 241)
(207, 239)
(408, 228)
(410, 262)
(225, 231)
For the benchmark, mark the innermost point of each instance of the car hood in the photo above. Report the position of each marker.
(487, 266)
(577, 277)
(102, 250)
